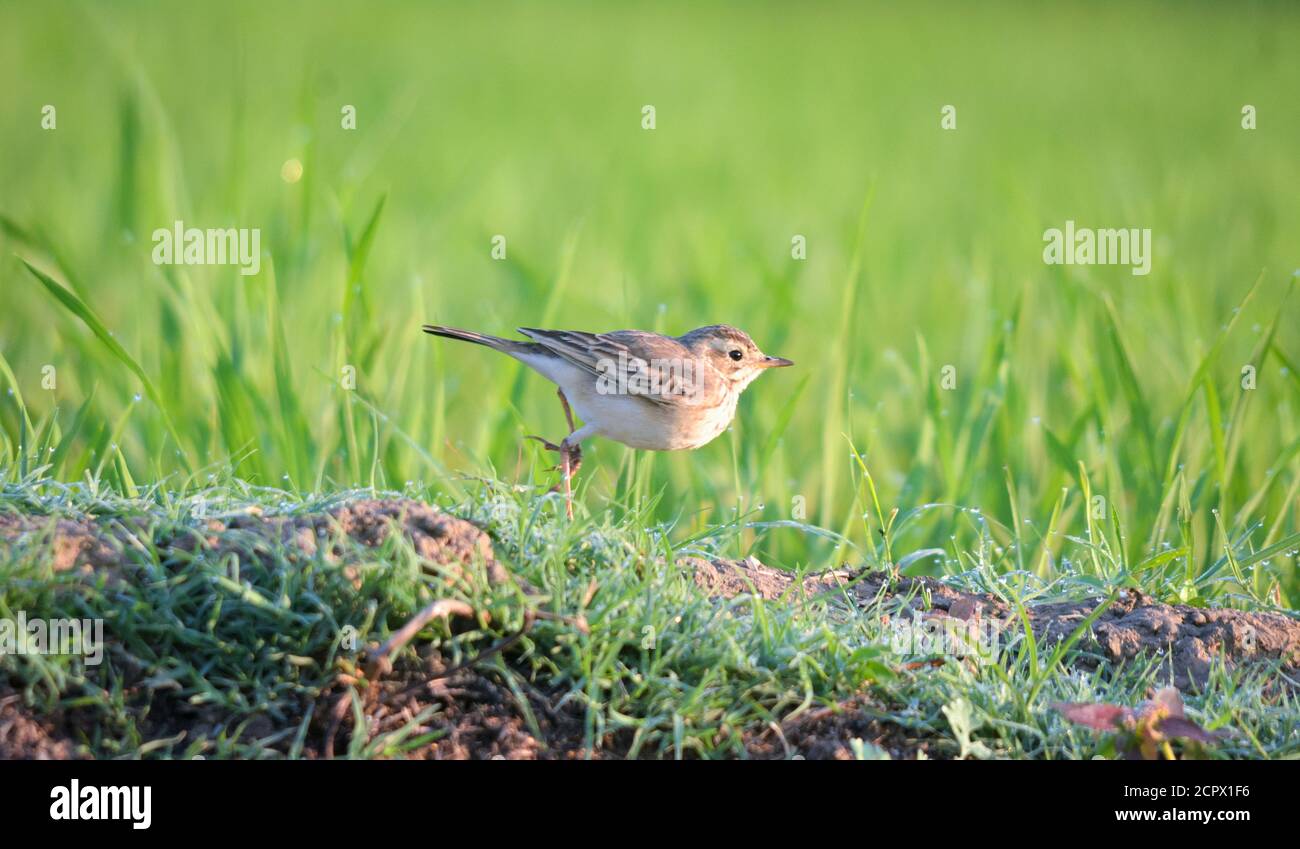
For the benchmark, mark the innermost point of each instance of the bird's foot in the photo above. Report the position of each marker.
(575, 459)
(546, 443)
(570, 461)
(574, 451)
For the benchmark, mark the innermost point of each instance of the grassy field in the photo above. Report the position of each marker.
(958, 408)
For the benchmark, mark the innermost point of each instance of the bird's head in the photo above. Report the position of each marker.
(731, 353)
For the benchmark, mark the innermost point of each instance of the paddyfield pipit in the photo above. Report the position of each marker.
(645, 390)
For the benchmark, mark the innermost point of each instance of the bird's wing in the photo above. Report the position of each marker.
(657, 368)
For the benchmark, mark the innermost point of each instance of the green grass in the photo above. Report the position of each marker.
(264, 641)
(1098, 435)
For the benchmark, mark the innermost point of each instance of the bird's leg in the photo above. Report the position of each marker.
(570, 459)
(570, 455)
(568, 470)
(568, 414)
(575, 450)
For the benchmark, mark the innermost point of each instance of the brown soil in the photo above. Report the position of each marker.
(30, 738)
(95, 547)
(828, 734)
(477, 717)
(1189, 639)
(76, 543)
(446, 541)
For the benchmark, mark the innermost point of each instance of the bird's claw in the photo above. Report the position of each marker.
(575, 453)
(570, 460)
(546, 443)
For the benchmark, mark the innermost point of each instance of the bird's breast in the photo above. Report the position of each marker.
(640, 423)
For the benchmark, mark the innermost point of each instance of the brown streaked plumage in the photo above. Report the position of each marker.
(645, 390)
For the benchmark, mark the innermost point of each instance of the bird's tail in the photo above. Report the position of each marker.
(495, 342)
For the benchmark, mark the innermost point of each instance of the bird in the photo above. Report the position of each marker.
(645, 390)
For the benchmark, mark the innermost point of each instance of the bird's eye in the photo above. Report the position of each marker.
(735, 354)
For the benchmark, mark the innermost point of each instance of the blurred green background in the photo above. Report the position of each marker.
(924, 249)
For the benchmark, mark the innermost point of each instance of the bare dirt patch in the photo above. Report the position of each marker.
(475, 716)
(442, 539)
(1187, 639)
(75, 543)
(93, 546)
(828, 734)
(26, 737)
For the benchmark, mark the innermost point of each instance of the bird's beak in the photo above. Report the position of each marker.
(776, 362)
